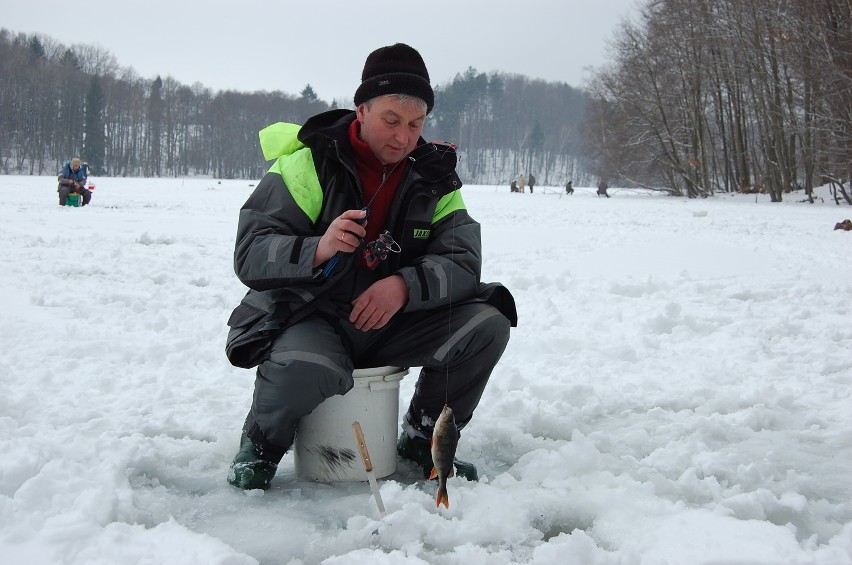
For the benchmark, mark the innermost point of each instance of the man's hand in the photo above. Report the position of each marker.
(376, 306)
(343, 234)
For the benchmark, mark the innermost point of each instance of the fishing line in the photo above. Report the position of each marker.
(450, 312)
(331, 264)
(452, 248)
(452, 270)
(385, 177)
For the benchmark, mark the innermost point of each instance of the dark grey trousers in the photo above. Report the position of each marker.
(64, 191)
(457, 348)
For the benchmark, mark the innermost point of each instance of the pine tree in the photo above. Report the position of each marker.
(93, 149)
(308, 93)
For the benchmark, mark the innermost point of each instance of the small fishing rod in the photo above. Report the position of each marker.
(331, 264)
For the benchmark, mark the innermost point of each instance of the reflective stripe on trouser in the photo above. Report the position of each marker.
(456, 347)
(307, 364)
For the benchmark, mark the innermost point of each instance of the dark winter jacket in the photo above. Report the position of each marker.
(312, 182)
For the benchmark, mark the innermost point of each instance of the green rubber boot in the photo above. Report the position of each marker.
(417, 450)
(249, 470)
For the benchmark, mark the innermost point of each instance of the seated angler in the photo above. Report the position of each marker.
(321, 303)
(72, 179)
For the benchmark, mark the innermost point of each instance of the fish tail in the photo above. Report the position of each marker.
(442, 497)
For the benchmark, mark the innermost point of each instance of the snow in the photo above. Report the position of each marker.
(677, 391)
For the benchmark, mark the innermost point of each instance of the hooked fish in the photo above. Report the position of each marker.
(445, 439)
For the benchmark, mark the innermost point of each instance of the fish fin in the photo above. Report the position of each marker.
(433, 473)
(442, 498)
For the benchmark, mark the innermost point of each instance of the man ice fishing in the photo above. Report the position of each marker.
(358, 252)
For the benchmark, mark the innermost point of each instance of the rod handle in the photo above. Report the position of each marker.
(362, 446)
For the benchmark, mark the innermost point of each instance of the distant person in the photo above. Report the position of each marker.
(72, 179)
(569, 187)
(522, 182)
(514, 186)
(531, 182)
(602, 186)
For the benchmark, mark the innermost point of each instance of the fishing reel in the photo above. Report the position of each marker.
(377, 251)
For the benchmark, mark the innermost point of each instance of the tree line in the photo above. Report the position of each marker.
(700, 96)
(58, 101)
(728, 95)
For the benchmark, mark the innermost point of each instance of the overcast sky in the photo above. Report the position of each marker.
(250, 45)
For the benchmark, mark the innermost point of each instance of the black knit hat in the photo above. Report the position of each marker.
(396, 69)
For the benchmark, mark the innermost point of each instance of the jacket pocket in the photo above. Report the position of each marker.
(248, 343)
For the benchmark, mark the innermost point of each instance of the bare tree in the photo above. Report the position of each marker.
(731, 94)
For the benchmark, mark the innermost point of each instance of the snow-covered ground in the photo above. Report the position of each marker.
(677, 391)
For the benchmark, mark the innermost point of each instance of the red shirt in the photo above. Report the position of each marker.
(371, 173)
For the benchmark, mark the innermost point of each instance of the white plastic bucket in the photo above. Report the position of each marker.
(325, 448)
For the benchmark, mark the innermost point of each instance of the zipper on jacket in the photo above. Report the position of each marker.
(359, 190)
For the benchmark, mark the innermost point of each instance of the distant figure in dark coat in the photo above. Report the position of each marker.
(569, 187)
(602, 189)
(531, 182)
(514, 186)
